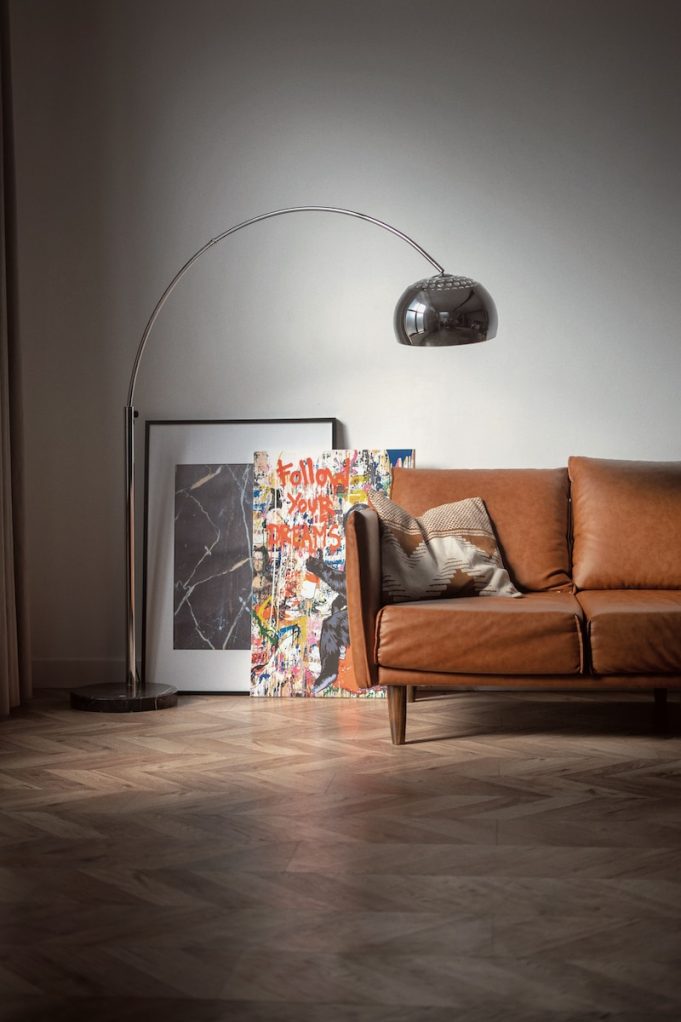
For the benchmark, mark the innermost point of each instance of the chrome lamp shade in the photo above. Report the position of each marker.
(444, 310)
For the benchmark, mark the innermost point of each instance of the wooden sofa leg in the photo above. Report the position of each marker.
(411, 693)
(397, 711)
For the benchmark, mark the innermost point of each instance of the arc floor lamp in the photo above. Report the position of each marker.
(438, 311)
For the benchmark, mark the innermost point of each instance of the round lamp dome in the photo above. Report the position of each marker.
(445, 310)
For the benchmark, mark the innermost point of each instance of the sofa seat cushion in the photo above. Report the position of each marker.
(633, 631)
(538, 634)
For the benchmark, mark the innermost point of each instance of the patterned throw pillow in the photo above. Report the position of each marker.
(450, 550)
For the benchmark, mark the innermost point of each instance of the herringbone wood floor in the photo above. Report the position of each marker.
(518, 859)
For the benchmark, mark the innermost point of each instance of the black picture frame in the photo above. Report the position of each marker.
(170, 443)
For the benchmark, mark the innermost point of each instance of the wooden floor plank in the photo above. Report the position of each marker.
(272, 860)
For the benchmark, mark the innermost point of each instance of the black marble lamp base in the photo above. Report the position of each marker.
(118, 698)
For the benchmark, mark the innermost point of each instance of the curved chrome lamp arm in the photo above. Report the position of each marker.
(441, 310)
(247, 223)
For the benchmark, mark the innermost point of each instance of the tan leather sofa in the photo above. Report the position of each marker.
(594, 548)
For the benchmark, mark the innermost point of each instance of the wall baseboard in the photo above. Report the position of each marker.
(76, 673)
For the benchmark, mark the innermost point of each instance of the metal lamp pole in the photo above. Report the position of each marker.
(441, 310)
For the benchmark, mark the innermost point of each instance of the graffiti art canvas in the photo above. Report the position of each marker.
(300, 643)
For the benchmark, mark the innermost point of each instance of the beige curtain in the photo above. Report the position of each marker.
(15, 671)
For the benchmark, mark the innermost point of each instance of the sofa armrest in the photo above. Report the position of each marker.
(363, 580)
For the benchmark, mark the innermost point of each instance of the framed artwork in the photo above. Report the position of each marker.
(300, 643)
(198, 539)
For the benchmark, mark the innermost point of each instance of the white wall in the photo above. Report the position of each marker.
(531, 144)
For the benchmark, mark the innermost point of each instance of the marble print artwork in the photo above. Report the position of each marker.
(213, 541)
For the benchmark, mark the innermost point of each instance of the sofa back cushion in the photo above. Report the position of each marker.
(528, 509)
(626, 523)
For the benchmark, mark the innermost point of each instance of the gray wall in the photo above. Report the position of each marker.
(531, 144)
